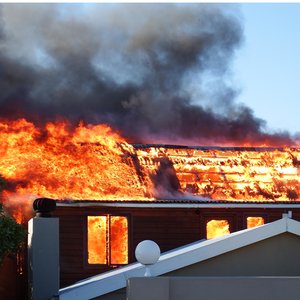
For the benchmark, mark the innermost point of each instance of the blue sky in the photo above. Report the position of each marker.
(267, 65)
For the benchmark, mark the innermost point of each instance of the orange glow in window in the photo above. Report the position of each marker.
(119, 240)
(107, 240)
(255, 221)
(216, 228)
(97, 229)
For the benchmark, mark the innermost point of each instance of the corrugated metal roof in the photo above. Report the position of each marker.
(208, 148)
(177, 203)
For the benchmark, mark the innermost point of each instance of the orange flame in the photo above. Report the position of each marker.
(86, 162)
(216, 228)
(257, 174)
(97, 250)
(119, 240)
(255, 221)
(94, 162)
(107, 240)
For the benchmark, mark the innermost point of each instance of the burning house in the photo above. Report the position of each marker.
(111, 195)
(174, 195)
(92, 120)
(207, 192)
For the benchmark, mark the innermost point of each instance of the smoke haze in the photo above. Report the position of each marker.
(156, 72)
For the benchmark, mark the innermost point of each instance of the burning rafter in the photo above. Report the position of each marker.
(228, 173)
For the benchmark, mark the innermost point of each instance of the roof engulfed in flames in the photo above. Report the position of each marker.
(60, 162)
(237, 173)
(94, 162)
(64, 162)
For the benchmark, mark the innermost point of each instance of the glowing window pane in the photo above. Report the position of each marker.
(97, 251)
(255, 221)
(119, 240)
(215, 228)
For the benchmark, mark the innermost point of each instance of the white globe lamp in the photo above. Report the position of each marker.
(147, 253)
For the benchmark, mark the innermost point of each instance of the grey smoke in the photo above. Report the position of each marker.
(156, 72)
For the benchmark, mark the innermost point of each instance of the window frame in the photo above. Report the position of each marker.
(254, 214)
(85, 240)
(231, 218)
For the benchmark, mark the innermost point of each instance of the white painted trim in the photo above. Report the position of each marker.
(101, 284)
(177, 258)
(293, 226)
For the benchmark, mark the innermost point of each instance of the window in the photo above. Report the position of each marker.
(107, 240)
(216, 228)
(255, 221)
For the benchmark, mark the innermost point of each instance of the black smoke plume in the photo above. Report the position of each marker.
(156, 72)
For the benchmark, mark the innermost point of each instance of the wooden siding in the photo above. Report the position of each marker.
(169, 227)
(8, 278)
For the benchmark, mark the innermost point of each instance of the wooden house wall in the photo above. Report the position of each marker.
(8, 278)
(169, 227)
